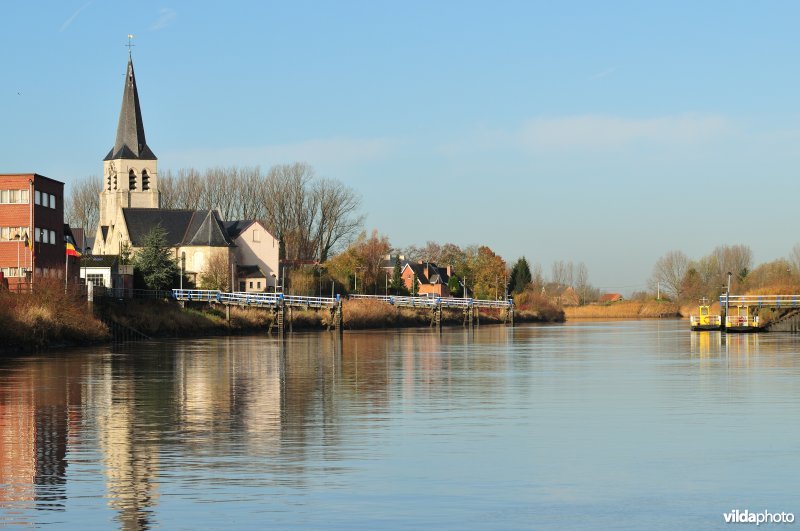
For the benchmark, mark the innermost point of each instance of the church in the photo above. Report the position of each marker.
(130, 206)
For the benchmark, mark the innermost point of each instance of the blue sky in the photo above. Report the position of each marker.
(601, 132)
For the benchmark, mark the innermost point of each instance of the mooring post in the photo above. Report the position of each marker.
(339, 320)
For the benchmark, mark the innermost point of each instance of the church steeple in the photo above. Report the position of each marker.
(130, 171)
(130, 142)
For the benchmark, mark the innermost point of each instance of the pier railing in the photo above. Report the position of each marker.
(244, 298)
(769, 301)
(430, 302)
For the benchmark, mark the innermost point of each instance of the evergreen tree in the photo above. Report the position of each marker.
(520, 276)
(414, 283)
(398, 286)
(454, 286)
(154, 261)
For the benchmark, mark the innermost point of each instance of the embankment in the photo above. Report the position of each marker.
(625, 310)
(45, 318)
(49, 318)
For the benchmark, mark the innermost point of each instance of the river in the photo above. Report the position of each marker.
(585, 425)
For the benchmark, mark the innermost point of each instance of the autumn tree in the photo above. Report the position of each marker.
(216, 274)
(363, 258)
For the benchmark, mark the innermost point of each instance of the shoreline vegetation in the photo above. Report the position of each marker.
(50, 318)
(628, 310)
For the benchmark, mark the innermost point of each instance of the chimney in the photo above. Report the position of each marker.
(402, 257)
(449, 271)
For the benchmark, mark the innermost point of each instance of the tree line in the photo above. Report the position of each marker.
(311, 216)
(682, 279)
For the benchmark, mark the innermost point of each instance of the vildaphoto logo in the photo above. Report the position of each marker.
(765, 517)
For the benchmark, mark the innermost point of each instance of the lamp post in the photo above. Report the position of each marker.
(727, 299)
(274, 282)
(183, 266)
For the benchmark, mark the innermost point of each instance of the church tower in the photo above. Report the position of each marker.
(130, 170)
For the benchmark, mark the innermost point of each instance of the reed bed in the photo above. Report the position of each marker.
(47, 317)
(625, 310)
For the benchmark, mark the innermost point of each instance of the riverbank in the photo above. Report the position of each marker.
(625, 310)
(49, 318)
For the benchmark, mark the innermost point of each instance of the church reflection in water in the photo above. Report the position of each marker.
(190, 410)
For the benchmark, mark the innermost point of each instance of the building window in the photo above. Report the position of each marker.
(251, 284)
(256, 236)
(145, 180)
(242, 285)
(38, 233)
(98, 280)
(52, 201)
(52, 236)
(131, 180)
(10, 234)
(38, 197)
(258, 284)
(13, 197)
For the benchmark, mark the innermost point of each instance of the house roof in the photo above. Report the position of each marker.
(235, 228)
(183, 227)
(438, 275)
(99, 260)
(610, 297)
(130, 142)
(250, 271)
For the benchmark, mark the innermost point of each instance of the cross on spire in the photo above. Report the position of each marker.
(130, 44)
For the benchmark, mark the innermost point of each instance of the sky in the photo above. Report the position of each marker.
(607, 133)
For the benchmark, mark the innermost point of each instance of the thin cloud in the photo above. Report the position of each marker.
(609, 132)
(72, 18)
(605, 73)
(165, 17)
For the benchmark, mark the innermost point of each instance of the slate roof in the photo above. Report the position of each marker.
(235, 228)
(130, 142)
(438, 275)
(251, 271)
(99, 260)
(183, 227)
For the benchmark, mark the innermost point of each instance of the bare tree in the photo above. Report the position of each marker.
(581, 285)
(794, 258)
(83, 205)
(668, 273)
(338, 217)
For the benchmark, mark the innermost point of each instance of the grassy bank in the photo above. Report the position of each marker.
(625, 310)
(47, 317)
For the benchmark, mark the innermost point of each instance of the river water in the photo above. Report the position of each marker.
(588, 425)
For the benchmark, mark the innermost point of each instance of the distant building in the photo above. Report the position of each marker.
(32, 211)
(430, 278)
(608, 298)
(130, 206)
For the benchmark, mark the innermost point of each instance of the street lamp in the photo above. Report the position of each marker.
(183, 266)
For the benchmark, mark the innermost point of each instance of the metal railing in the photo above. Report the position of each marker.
(430, 302)
(245, 298)
(741, 320)
(713, 320)
(772, 301)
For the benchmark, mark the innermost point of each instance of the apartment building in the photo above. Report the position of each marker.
(31, 227)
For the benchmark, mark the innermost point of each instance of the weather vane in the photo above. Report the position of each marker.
(130, 44)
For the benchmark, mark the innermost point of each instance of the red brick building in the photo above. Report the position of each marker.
(32, 209)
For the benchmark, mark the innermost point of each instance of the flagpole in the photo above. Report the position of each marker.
(66, 268)
(31, 232)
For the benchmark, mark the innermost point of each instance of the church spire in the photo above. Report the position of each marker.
(130, 143)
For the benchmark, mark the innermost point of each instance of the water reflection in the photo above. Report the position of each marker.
(237, 421)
